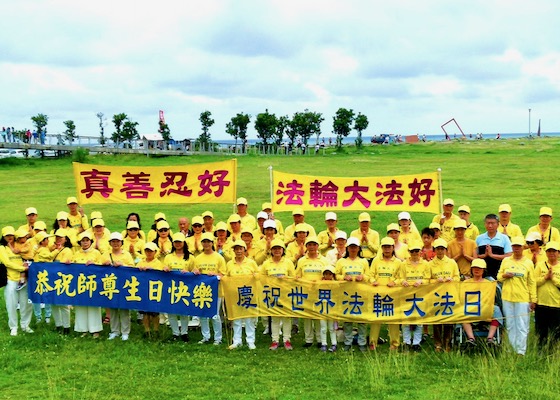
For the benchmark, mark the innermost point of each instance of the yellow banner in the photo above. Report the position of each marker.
(436, 303)
(419, 192)
(196, 183)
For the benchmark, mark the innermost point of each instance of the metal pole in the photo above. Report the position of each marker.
(529, 122)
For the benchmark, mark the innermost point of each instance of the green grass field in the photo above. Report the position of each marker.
(482, 174)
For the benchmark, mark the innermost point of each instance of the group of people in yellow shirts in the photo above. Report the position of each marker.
(450, 249)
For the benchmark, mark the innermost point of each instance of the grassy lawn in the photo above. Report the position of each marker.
(481, 174)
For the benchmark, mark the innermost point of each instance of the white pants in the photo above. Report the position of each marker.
(61, 316)
(250, 324)
(327, 325)
(286, 328)
(88, 319)
(174, 324)
(311, 328)
(216, 324)
(517, 324)
(14, 297)
(120, 321)
(416, 335)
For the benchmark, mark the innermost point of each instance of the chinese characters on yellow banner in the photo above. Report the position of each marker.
(195, 183)
(418, 193)
(450, 302)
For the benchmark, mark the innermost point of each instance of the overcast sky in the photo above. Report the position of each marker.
(410, 66)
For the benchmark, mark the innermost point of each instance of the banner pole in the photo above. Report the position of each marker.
(440, 191)
(271, 183)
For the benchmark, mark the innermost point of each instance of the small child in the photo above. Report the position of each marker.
(328, 275)
(428, 236)
(26, 249)
(150, 320)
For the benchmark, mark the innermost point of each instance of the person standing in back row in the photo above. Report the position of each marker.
(493, 246)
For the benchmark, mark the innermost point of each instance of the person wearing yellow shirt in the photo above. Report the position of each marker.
(544, 227)
(385, 270)
(221, 244)
(14, 266)
(547, 311)
(163, 239)
(369, 239)
(258, 233)
(506, 226)
(210, 263)
(150, 320)
(442, 270)
(415, 272)
(401, 249)
(534, 251)
(326, 237)
(409, 232)
(296, 248)
(353, 268)
(24, 245)
(472, 230)
(262, 247)
(267, 208)
(247, 238)
(62, 221)
(179, 260)
(87, 319)
(339, 250)
(298, 216)
(234, 224)
(310, 268)
(208, 221)
(31, 216)
(78, 219)
(519, 294)
(247, 220)
(133, 243)
(447, 220)
(197, 224)
(462, 249)
(135, 218)
(280, 267)
(100, 236)
(117, 257)
(152, 233)
(239, 266)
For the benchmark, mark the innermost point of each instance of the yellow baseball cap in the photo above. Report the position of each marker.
(518, 241)
(298, 211)
(440, 243)
(448, 202)
(61, 215)
(30, 210)
(8, 230)
(242, 200)
(464, 208)
(387, 241)
(504, 208)
(393, 227)
(478, 263)
(545, 211)
(71, 200)
(461, 223)
(364, 217)
(277, 243)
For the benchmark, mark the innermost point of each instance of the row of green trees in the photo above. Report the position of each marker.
(271, 129)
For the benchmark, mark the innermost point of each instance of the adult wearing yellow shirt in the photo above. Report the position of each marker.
(296, 249)
(87, 319)
(280, 267)
(326, 238)
(519, 294)
(472, 230)
(31, 216)
(547, 311)
(100, 236)
(353, 268)
(442, 270)
(385, 270)
(401, 249)
(369, 239)
(409, 232)
(506, 226)
(247, 220)
(299, 218)
(133, 243)
(447, 220)
(14, 266)
(211, 263)
(195, 246)
(263, 245)
(415, 272)
(310, 268)
(163, 239)
(535, 250)
(267, 208)
(78, 219)
(544, 227)
(238, 266)
(117, 257)
(179, 259)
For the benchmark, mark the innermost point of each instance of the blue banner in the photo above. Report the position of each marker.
(123, 287)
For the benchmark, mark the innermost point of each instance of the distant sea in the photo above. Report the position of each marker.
(430, 138)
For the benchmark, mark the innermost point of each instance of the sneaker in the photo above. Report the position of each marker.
(347, 347)
(332, 349)
(27, 330)
(381, 341)
(266, 331)
(491, 341)
(147, 335)
(185, 338)
(319, 345)
(295, 330)
(363, 348)
(47, 320)
(65, 331)
(113, 335)
(323, 348)
(21, 285)
(95, 335)
(372, 346)
(217, 342)
(470, 343)
(13, 332)
(38, 320)
(307, 345)
(124, 338)
(273, 346)
(288, 345)
(251, 346)
(204, 341)
(234, 346)
(416, 348)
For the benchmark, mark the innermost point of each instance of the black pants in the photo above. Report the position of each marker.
(547, 324)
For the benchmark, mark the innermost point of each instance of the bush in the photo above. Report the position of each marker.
(80, 155)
